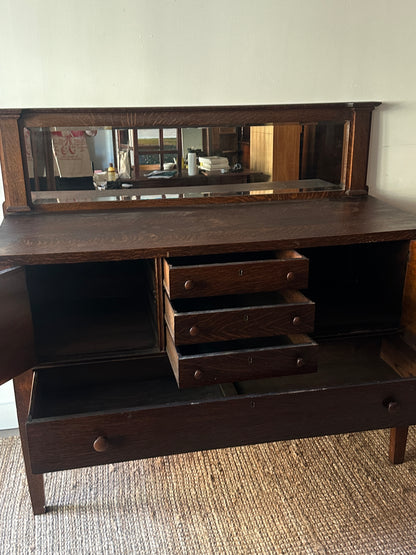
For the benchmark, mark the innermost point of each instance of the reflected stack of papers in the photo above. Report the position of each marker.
(217, 164)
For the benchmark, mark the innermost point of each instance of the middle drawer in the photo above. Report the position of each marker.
(211, 319)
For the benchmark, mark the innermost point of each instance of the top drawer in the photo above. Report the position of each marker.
(236, 273)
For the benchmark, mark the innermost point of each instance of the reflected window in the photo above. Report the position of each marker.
(149, 149)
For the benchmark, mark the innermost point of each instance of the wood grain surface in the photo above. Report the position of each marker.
(95, 236)
(178, 428)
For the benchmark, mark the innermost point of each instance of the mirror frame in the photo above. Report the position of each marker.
(355, 115)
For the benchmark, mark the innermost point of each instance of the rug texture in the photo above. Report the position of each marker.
(327, 495)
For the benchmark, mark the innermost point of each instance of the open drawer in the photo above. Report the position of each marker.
(123, 410)
(232, 274)
(238, 316)
(229, 361)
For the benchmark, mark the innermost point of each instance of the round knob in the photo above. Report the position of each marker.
(290, 276)
(101, 444)
(296, 321)
(300, 362)
(393, 407)
(193, 330)
(188, 285)
(198, 374)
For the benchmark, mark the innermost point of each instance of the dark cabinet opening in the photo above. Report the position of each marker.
(92, 309)
(357, 288)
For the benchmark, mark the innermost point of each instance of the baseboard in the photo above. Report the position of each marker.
(8, 416)
(9, 433)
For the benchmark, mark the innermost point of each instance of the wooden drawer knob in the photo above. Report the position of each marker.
(198, 374)
(393, 407)
(296, 321)
(290, 276)
(188, 285)
(300, 362)
(101, 444)
(193, 331)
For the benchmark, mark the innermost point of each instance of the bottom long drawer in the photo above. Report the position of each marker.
(230, 361)
(83, 417)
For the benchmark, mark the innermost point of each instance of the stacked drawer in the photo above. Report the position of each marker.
(238, 317)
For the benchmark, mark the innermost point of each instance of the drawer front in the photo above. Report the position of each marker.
(63, 443)
(194, 370)
(290, 270)
(234, 323)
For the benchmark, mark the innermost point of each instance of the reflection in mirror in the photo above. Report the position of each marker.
(153, 163)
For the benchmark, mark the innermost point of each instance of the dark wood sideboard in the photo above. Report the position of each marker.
(155, 330)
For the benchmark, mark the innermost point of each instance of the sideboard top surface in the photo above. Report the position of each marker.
(145, 233)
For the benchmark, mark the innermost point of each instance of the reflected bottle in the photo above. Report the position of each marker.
(111, 173)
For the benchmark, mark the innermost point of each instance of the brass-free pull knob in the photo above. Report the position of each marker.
(290, 276)
(101, 444)
(300, 362)
(296, 320)
(393, 407)
(198, 374)
(188, 285)
(193, 331)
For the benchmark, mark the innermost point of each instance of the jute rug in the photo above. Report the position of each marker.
(327, 495)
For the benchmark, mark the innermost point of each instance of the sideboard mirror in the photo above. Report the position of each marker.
(61, 157)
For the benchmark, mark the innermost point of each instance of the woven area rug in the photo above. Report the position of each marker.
(326, 495)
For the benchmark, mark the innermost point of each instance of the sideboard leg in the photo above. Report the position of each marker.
(398, 438)
(22, 389)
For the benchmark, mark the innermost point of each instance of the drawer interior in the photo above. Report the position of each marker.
(110, 386)
(229, 258)
(351, 361)
(237, 301)
(148, 382)
(240, 345)
(92, 308)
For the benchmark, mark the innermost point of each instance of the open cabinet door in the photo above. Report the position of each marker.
(17, 352)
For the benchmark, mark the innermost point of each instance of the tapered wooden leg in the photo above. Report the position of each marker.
(22, 389)
(398, 438)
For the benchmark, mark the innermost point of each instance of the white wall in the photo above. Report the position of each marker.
(199, 52)
(8, 416)
(190, 52)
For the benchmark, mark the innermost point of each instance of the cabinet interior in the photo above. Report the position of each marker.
(357, 288)
(91, 309)
(110, 308)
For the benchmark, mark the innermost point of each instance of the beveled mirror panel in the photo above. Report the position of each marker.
(71, 164)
